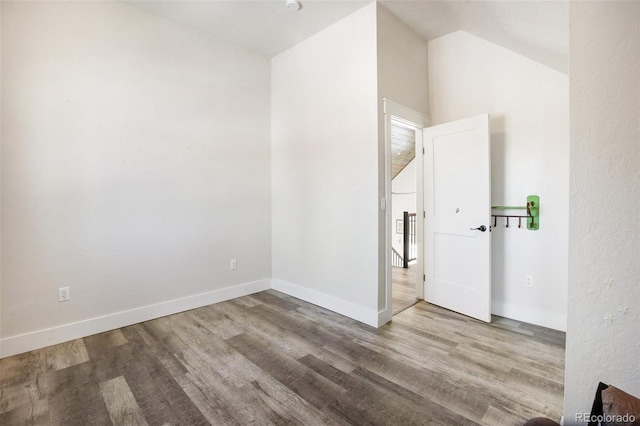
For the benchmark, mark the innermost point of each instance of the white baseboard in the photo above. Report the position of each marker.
(51, 336)
(340, 306)
(384, 316)
(529, 315)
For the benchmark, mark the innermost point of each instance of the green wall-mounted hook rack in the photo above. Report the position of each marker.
(532, 217)
(533, 209)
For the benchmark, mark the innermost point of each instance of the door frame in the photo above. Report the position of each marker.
(418, 121)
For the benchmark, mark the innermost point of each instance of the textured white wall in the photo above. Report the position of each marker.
(325, 168)
(528, 105)
(603, 336)
(135, 162)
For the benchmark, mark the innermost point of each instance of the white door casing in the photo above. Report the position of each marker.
(457, 198)
(395, 111)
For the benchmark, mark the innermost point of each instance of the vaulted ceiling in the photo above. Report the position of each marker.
(538, 30)
(534, 28)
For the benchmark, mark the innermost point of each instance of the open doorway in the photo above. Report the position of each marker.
(407, 125)
(404, 243)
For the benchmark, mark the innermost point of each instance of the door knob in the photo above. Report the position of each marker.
(481, 228)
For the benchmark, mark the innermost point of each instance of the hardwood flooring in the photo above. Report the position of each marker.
(272, 359)
(403, 289)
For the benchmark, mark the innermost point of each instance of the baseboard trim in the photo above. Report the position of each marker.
(332, 303)
(14, 345)
(384, 316)
(529, 315)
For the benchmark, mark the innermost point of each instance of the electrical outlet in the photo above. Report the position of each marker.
(234, 264)
(528, 280)
(64, 294)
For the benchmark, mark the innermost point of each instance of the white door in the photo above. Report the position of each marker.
(457, 198)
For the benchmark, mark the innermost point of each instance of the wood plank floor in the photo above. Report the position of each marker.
(272, 359)
(403, 289)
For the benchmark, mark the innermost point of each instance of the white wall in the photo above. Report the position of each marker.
(324, 170)
(135, 165)
(603, 336)
(403, 199)
(402, 63)
(528, 105)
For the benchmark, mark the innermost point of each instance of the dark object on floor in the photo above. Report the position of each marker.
(541, 421)
(614, 406)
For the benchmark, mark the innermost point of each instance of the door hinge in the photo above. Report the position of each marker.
(423, 150)
(424, 215)
(424, 278)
